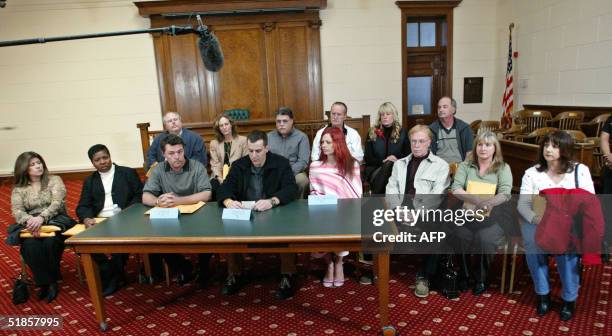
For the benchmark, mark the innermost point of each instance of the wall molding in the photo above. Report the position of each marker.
(75, 174)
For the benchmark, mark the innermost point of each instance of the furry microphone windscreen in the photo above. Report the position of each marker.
(210, 50)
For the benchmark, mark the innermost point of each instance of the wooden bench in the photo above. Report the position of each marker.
(205, 129)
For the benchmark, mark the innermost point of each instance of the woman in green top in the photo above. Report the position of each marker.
(483, 182)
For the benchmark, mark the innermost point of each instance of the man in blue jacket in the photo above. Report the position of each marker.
(194, 146)
(453, 137)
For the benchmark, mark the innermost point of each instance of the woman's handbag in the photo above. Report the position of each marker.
(20, 290)
(447, 278)
(64, 221)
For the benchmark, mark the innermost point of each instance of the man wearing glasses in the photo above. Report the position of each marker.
(292, 144)
(337, 116)
(418, 181)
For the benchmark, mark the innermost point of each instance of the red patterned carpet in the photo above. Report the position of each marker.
(140, 309)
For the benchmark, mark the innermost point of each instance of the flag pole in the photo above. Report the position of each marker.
(508, 96)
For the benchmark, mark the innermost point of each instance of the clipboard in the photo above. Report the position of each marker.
(481, 189)
(80, 227)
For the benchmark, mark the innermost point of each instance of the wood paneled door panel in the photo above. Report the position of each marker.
(242, 82)
(271, 59)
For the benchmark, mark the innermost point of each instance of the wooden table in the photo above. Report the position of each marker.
(295, 227)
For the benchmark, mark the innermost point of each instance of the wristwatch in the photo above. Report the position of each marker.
(274, 201)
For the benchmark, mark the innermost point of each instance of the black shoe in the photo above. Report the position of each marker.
(543, 304)
(53, 291)
(113, 285)
(567, 310)
(286, 288)
(479, 288)
(43, 292)
(367, 278)
(232, 285)
(185, 274)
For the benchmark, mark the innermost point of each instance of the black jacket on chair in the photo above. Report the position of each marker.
(127, 190)
(278, 180)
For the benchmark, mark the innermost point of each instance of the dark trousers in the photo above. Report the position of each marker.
(378, 177)
(429, 266)
(178, 264)
(110, 268)
(43, 256)
(483, 242)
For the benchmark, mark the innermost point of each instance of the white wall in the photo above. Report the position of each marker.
(565, 51)
(63, 97)
(476, 35)
(361, 47)
(361, 55)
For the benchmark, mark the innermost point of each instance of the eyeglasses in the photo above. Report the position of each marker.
(420, 142)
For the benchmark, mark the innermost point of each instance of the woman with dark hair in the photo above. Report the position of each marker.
(335, 173)
(38, 198)
(225, 148)
(386, 143)
(555, 169)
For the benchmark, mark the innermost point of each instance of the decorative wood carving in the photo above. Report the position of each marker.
(150, 8)
(268, 26)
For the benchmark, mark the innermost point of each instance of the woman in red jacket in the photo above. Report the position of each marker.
(555, 169)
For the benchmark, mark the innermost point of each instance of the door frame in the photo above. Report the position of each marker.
(421, 8)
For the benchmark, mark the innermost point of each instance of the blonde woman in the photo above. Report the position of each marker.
(226, 148)
(386, 143)
(483, 181)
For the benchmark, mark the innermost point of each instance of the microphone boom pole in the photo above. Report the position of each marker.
(171, 30)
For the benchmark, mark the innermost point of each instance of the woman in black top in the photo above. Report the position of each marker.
(386, 143)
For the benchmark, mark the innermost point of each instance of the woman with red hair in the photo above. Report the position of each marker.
(335, 173)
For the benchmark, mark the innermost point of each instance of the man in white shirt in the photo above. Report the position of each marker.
(105, 192)
(353, 140)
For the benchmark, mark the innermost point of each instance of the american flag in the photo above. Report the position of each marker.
(508, 99)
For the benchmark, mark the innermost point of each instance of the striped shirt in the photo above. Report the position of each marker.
(326, 180)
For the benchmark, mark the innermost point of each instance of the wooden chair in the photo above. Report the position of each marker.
(488, 125)
(593, 127)
(568, 120)
(532, 119)
(474, 125)
(578, 136)
(598, 159)
(535, 136)
(513, 131)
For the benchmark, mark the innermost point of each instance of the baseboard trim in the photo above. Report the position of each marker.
(76, 174)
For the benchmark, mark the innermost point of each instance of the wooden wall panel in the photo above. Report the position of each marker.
(272, 59)
(184, 57)
(243, 80)
(292, 68)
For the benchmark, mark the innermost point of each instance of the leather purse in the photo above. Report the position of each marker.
(20, 290)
